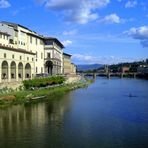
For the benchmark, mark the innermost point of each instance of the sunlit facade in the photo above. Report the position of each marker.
(68, 67)
(24, 53)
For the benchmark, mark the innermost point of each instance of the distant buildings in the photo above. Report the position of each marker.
(125, 69)
(24, 53)
(143, 69)
(68, 67)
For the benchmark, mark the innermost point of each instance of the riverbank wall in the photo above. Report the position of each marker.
(49, 92)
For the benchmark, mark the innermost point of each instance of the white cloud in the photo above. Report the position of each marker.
(130, 4)
(144, 5)
(110, 19)
(70, 32)
(140, 33)
(67, 43)
(88, 59)
(78, 11)
(4, 4)
(15, 12)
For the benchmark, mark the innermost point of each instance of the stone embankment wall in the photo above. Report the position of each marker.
(73, 78)
(11, 85)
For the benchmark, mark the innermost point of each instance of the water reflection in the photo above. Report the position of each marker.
(98, 116)
(30, 121)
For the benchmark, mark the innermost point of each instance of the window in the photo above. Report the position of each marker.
(20, 57)
(22, 33)
(48, 55)
(48, 43)
(11, 41)
(0, 35)
(41, 55)
(13, 56)
(27, 58)
(36, 54)
(41, 42)
(4, 36)
(36, 41)
(32, 59)
(30, 39)
(41, 69)
(15, 34)
(4, 55)
(36, 70)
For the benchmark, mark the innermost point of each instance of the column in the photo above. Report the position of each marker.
(17, 72)
(9, 72)
(23, 71)
(0, 74)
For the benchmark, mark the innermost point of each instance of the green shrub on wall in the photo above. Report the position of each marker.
(43, 82)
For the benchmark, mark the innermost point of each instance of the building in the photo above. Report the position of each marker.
(24, 53)
(142, 69)
(53, 56)
(125, 69)
(68, 67)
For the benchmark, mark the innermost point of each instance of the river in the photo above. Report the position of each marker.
(107, 114)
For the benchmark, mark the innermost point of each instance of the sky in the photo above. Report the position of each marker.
(92, 31)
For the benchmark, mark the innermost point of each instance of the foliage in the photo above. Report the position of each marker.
(43, 82)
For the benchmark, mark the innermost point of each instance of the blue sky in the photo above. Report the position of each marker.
(93, 31)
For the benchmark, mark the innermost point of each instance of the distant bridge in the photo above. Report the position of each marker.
(110, 74)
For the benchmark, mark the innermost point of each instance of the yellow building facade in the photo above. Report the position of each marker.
(68, 67)
(24, 53)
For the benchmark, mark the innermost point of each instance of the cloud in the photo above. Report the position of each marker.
(130, 4)
(70, 32)
(78, 11)
(111, 19)
(15, 12)
(140, 33)
(67, 43)
(144, 5)
(4, 4)
(79, 58)
(88, 59)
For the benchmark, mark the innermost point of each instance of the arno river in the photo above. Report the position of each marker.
(108, 114)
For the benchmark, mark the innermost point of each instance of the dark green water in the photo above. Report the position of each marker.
(100, 116)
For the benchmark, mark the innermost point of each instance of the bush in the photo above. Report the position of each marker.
(43, 82)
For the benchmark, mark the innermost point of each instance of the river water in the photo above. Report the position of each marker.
(107, 114)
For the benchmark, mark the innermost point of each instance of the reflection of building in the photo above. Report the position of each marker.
(24, 53)
(68, 67)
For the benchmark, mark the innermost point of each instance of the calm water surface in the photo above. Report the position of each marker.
(100, 116)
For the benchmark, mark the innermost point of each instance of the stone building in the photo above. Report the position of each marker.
(68, 67)
(53, 56)
(24, 53)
